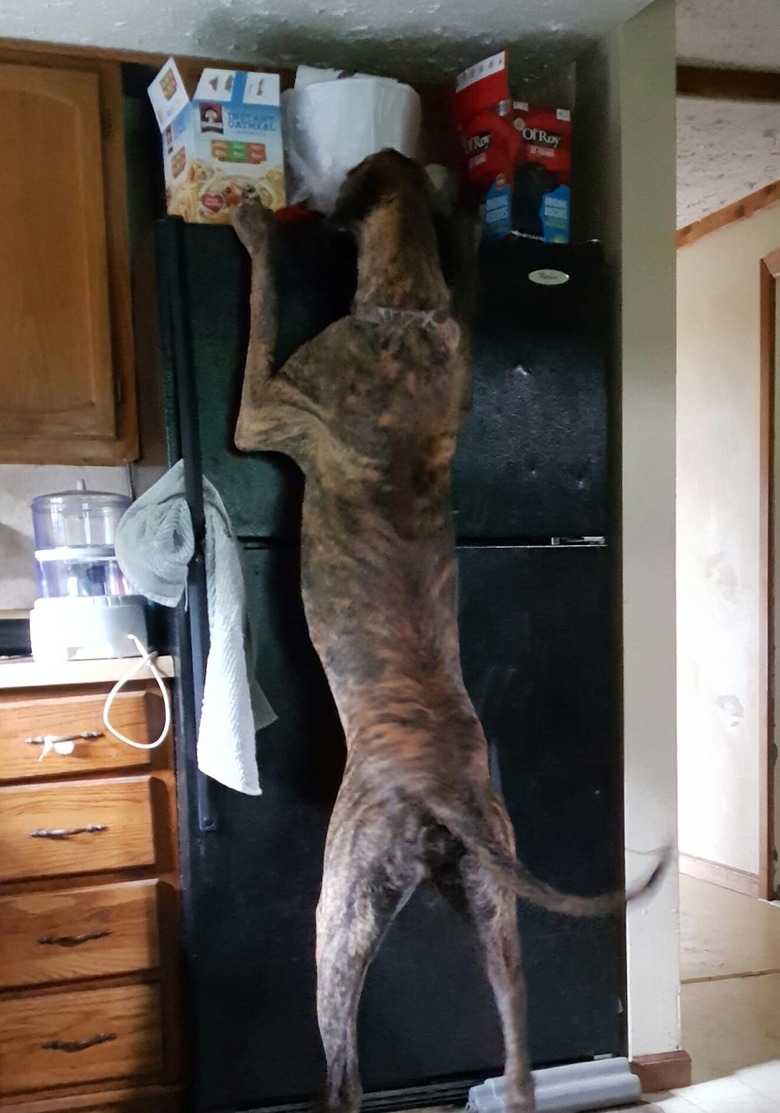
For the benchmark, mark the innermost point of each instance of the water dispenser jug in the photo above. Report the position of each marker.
(85, 607)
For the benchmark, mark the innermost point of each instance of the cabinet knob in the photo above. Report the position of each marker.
(66, 832)
(78, 1045)
(72, 940)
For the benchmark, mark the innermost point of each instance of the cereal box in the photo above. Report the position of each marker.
(227, 138)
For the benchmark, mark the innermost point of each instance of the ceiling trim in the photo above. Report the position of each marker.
(727, 84)
(740, 210)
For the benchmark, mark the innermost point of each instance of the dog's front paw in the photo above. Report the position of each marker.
(252, 221)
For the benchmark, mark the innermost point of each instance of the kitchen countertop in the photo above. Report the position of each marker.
(23, 672)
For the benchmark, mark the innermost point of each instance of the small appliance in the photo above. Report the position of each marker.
(85, 609)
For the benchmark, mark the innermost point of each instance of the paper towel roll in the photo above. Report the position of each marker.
(331, 126)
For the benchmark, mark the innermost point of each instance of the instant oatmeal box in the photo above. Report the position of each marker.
(227, 138)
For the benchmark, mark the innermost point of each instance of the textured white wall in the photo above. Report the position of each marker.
(645, 55)
(625, 88)
(718, 539)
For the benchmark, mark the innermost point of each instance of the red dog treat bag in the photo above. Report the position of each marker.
(542, 176)
(490, 142)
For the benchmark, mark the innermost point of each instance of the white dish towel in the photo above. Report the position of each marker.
(154, 546)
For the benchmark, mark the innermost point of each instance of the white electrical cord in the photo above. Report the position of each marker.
(147, 658)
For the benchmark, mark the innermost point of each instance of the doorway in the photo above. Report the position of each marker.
(769, 820)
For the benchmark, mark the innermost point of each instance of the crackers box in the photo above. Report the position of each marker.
(224, 140)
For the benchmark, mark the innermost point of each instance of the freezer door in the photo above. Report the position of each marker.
(539, 662)
(531, 460)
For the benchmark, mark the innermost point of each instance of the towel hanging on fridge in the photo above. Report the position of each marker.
(154, 546)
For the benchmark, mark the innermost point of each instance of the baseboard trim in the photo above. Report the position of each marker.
(669, 1070)
(740, 881)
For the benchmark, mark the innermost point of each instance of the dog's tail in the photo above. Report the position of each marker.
(516, 876)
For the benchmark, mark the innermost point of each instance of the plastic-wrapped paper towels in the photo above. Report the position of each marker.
(331, 125)
(574, 1087)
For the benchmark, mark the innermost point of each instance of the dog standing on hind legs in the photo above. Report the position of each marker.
(370, 410)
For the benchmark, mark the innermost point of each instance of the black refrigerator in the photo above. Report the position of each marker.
(537, 607)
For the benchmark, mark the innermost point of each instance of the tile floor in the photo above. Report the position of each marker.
(730, 1003)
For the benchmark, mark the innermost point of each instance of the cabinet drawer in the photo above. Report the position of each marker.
(42, 827)
(89, 1036)
(78, 933)
(138, 715)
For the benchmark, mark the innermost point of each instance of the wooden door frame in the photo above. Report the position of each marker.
(769, 564)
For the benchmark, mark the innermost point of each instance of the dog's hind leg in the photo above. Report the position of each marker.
(493, 909)
(359, 900)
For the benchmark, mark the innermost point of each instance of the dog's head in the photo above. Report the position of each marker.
(377, 180)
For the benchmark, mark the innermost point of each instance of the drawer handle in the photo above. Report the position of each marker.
(78, 1045)
(72, 940)
(66, 832)
(41, 739)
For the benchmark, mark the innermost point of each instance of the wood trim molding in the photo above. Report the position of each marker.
(669, 1070)
(728, 84)
(771, 263)
(739, 210)
(770, 273)
(740, 881)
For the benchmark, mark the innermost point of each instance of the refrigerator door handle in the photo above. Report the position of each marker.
(597, 541)
(176, 318)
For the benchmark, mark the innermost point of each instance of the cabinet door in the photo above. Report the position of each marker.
(66, 357)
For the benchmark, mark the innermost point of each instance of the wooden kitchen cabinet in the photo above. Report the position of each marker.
(89, 936)
(67, 389)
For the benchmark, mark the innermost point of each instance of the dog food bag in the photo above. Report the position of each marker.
(490, 142)
(227, 138)
(542, 178)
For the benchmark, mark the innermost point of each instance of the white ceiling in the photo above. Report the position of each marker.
(726, 150)
(740, 33)
(408, 38)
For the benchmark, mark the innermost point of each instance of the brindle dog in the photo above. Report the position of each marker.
(370, 410)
